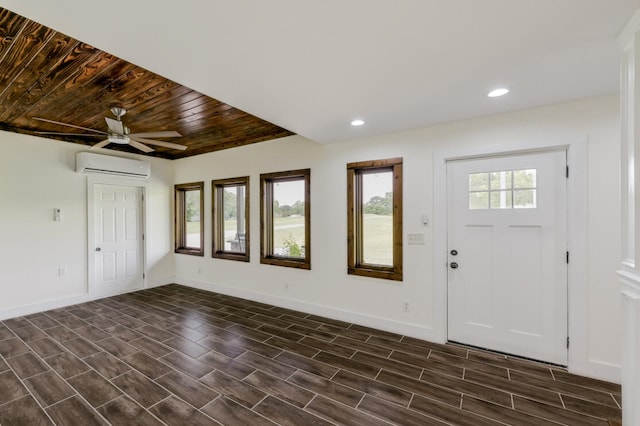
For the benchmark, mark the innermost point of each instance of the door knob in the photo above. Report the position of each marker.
(98, 249)
(453, 265)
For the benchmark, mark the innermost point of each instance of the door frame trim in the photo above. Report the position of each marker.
(577, 238)
(92, 181)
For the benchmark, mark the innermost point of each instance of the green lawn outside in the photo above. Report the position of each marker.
(288, 227)
(378, 243)
(378, 239)
(193, 228)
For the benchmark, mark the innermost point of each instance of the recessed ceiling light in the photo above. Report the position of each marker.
(496, 93)
(357, 122)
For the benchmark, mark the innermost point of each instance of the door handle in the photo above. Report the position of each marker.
(98, 249)
(453, 265)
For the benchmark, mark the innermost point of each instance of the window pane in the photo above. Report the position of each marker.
(192, 218)
(374, 225)
(524, 199)
(188, 215)
(478, 181)
(507, 189)
(501, 199)
(479, 200)
(501, 180)
(289, 219)
(524, 179)
(377, 220)
(233, 203)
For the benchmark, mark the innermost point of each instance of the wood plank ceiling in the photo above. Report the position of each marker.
(44, 73)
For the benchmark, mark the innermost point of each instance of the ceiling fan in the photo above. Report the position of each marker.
(119, 133)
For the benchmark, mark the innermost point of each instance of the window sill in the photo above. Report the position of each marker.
(228, 255)
(189, 252)
(286, 262)
(376, 273)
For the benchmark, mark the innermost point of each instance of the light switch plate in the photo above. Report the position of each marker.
(416, 239)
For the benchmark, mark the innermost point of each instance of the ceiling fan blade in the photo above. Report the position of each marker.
(115, 126)
(164, 134)
(68, 134)
(69, 125)
(161, 143)
(140, 146)
(101, 144)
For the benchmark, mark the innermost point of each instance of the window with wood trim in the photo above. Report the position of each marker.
(374, 210)
(231, 218)
(285, 231)
(189, 218)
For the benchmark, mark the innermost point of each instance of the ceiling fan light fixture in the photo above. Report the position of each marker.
(119, 139)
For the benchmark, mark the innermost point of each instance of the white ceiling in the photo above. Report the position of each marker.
(313, 66)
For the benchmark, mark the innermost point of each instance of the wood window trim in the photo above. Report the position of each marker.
(180, 218)
(355, 266)
(217, 192)
(266, 218)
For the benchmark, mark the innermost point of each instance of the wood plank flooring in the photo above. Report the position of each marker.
(176, 355)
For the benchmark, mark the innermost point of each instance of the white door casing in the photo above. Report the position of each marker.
(509, 292)
(118, 246)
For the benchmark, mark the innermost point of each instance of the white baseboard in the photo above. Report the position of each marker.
(595, 369)
(159, 282)
(46, 305)
(62, 302)
(601, 370)
(406, 329)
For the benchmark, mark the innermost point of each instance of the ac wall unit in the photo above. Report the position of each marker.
(88, 162)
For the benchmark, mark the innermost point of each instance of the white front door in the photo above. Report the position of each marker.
(507, 254)
(118, 238)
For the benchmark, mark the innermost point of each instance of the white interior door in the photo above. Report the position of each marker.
(118, 238)
(507, 254)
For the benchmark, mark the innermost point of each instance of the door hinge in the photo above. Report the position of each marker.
(144, 275)
(143, 237)
(567, 342)
(567, 257)
(567, 171)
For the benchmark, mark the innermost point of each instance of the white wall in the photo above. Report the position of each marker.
(605, 333)
(38, 175)
(328, 290)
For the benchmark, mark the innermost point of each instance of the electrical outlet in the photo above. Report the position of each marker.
(417, 239)
(405, 306)
(62, 271)
(199, 271)
(286, 286)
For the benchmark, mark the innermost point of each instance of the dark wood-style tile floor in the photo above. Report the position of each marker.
(175, 355)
